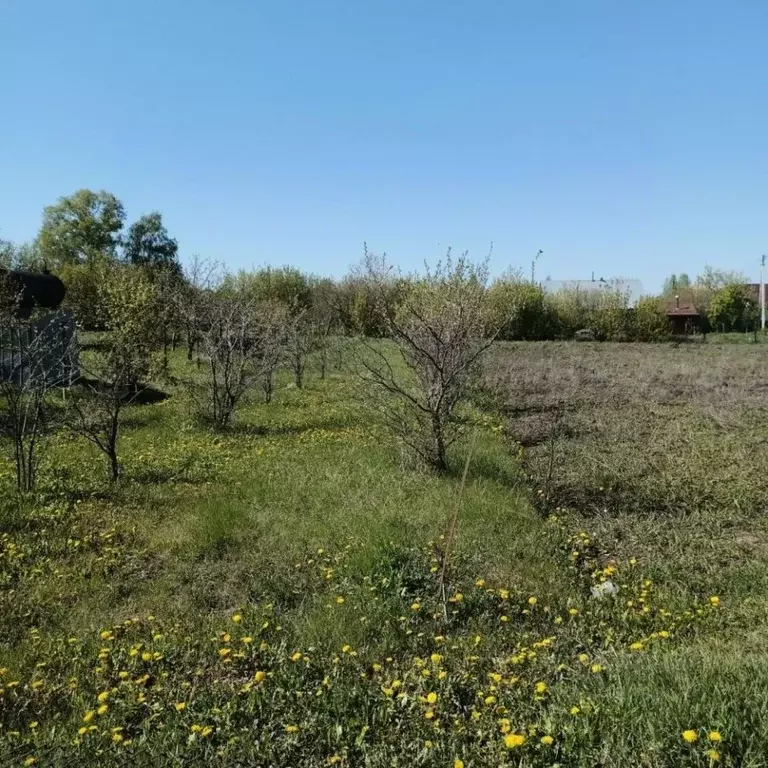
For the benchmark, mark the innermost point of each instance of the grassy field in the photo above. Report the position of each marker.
(270, 597)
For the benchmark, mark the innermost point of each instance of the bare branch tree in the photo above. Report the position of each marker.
(438, 328)
(95, 407)
(36, 357)
(225, 327)
(268, 343)
(301, 342)
(200, 278)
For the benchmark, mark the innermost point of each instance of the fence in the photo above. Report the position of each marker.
(41, 349)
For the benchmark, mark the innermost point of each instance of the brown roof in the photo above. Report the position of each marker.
(677, 308)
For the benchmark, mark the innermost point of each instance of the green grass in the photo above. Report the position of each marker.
(312, 524)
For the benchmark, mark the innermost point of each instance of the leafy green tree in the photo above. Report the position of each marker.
(7, 254)
(518, 308)
(148, 244)
(676, 283)
(287, 285)
(670, 287)
(732, 310)
(715, 279)
(648, 322)
(82, 299)
(113, 373)
(83, 228)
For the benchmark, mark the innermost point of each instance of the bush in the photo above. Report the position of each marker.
(519, 310)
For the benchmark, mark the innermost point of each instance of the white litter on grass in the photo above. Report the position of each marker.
(606, 588)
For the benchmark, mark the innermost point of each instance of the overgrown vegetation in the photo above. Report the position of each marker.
(657, 450)
(271, 596)
(271, 584)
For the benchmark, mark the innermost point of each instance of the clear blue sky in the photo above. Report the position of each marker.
(629, 138)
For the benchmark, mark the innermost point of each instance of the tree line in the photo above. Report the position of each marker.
(84, 235)
(136, 303)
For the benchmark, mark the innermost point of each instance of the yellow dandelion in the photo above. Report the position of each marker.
(247, 640)
(715, 736)
(102, 710)
(415, 606)
(291, 728)
(431, 697)
(690, 736)
(575, 711)
(513, 740)
(532, 601)
(480, 583)
(458, 763)
(103, 697)
(180, 706)
(714, 600)
(547, 740)
(541, 687)
(206, 731)
(146, 656)
(713, 755)
(237, 618)
(88, 716)
(435, 658)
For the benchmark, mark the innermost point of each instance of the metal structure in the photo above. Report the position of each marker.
(39, 347)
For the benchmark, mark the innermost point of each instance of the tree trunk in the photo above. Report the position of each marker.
(268, 386)
(298, 370)
(114, 467)
(439, 460)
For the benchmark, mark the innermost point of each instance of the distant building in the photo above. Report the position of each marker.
(632, 289)
(684, 318)
(753, 292)
(36, 348)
